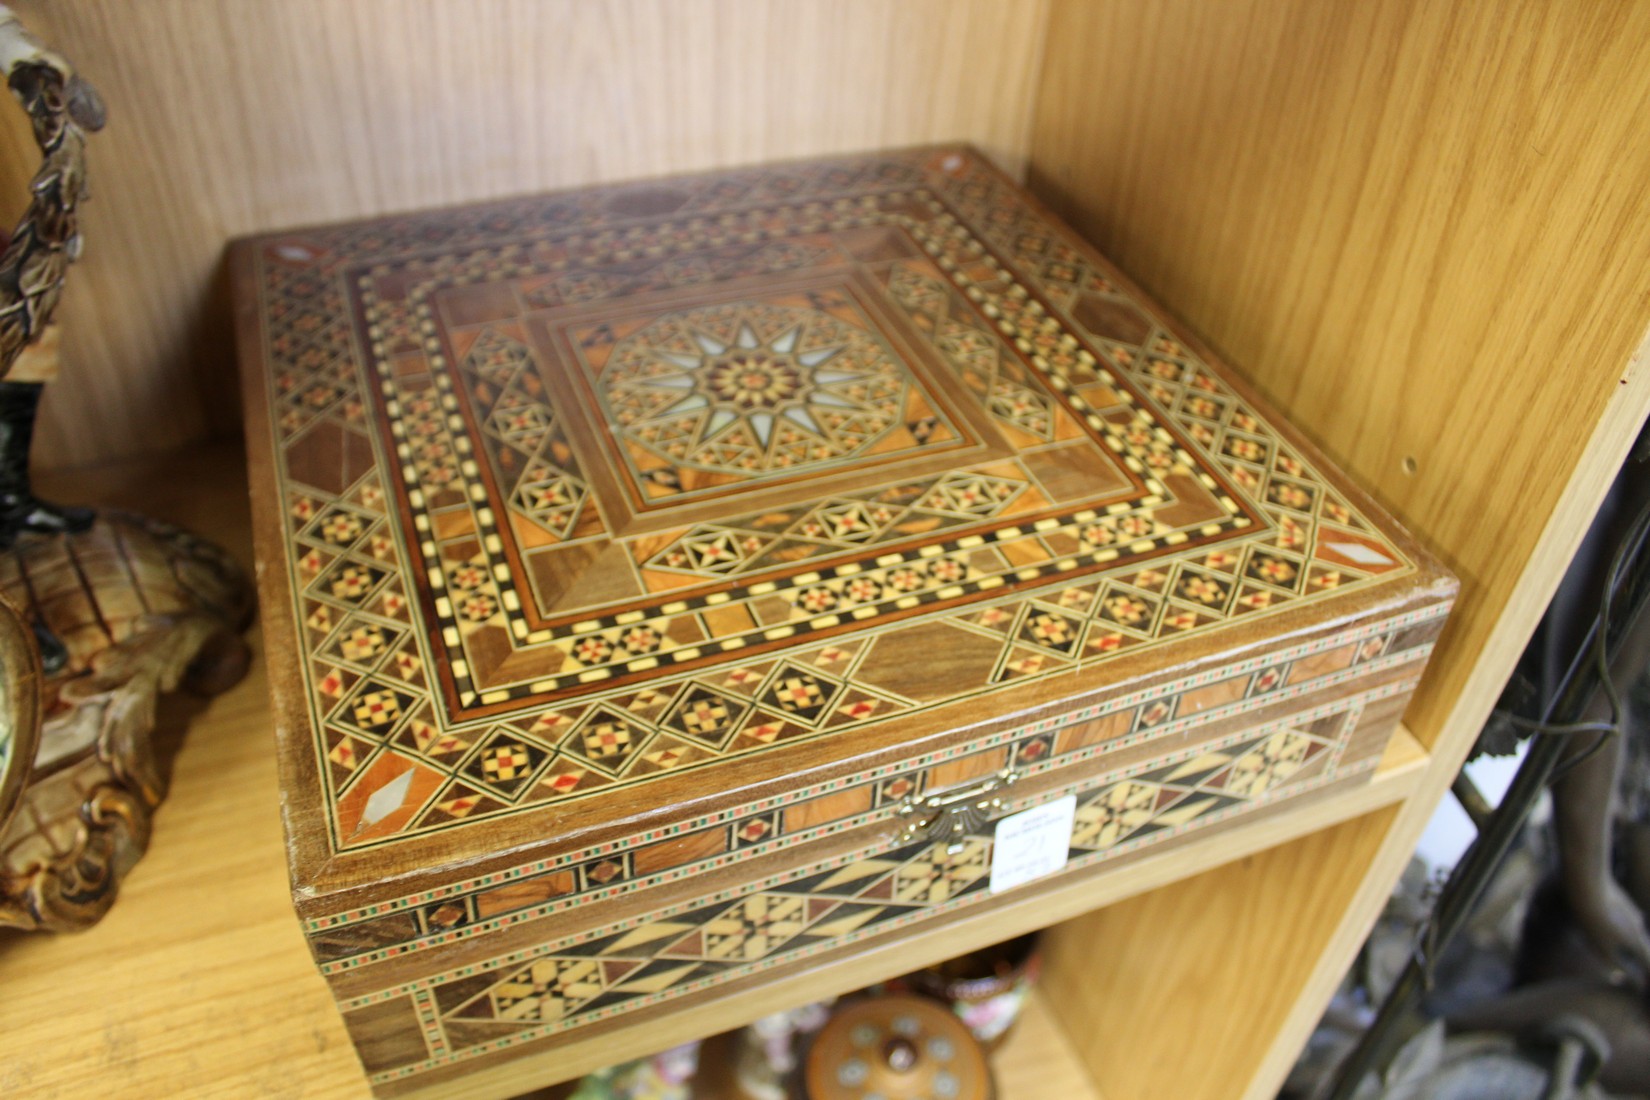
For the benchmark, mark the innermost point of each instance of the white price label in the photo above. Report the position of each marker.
(1032, 843)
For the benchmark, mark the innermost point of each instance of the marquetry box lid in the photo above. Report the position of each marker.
(619, 543)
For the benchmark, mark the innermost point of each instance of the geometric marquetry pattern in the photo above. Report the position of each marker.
(788, 535)
(429, 464)
(523, 435)
(1214, 416)
(753, 389)
(1129, 608)
(1175, 795)
(611, 972)
(1219, 775)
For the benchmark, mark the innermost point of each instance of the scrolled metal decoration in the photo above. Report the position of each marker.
(62, 108)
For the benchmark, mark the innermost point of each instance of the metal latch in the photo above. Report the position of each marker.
(950, 815)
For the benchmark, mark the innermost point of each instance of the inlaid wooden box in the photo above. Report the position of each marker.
(658, 579)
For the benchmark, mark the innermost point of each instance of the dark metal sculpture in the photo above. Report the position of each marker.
(62, 108)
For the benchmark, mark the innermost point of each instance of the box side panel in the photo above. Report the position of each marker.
(622, 877)
(454, 1046)
(522, 987)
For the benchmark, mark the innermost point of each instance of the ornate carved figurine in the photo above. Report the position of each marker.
(33, 263)
(116, 607)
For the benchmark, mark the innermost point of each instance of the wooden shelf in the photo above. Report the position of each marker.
(199, 982)
(1416, 227)
(1038, 1061)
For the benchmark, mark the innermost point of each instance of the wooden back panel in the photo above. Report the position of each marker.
(1418, 228)
(236, 117)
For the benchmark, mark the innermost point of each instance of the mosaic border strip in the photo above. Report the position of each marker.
(1386, 630)
(469, 694)
(914, 908)
(1029, 752)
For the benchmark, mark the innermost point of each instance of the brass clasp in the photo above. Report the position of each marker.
(950, 815)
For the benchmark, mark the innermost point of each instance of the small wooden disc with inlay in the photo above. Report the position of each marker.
(896, 1048)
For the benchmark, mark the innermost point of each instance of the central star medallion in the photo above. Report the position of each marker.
(754, 388)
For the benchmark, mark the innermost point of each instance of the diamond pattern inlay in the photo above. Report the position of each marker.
(670, 452)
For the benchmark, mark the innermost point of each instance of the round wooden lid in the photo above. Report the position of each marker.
(896, 1048)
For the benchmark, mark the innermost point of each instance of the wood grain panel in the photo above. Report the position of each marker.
(234, 117)
(1214, 960)
(1418, 226)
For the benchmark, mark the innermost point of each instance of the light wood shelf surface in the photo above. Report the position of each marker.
(198, 983)
(1038, 1061)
